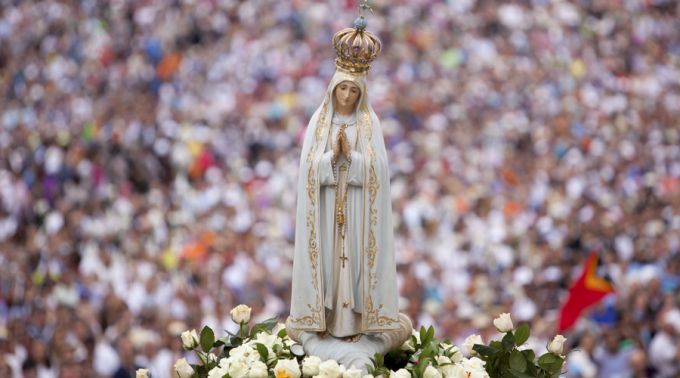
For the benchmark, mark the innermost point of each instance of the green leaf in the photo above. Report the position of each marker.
(207, 338)
(547, 358)
(508, 341)
(422, 365)
(257, 328)
(532, 369)
(519, 374)
(529, 355)
(430, 334)
(522, 334)
(271, 323)
(200, 370)
(244, 330)
(484, 350)
(379, 360)
(236, 341)
(517, 361)
(434, 345)
(426, 352)
(277, 348)
(263, 351)
(282, 333)
(551, 362)
(369, 368)
(554, 368)
(423, 335)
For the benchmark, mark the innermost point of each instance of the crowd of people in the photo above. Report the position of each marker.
(148, 151)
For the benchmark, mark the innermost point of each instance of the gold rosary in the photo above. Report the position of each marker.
(341, 203)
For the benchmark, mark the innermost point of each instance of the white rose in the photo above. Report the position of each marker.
(456, 356)
(217, 372)
(310, 366)
(446, 346)
(408, 345)
(476, 374)
(245, 353)
(431, 372)
(367, 376)
(452, 371)
(417, 335)
(224, 363)
(503, 323)
(472, 368)
(183, 369)
(557, 344)
(267, 340)
(258, 369)
(238, 368)
(142, 373)
(240, 314)
(287, 369)
(401, 373)
(212, 358)
(189, 339)
(473, 364)
(442, 360)
(330, 369)
(352, 373)
(454, 353)
(470, 341)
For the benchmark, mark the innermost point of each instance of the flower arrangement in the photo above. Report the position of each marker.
(505, 359)
(265, 351)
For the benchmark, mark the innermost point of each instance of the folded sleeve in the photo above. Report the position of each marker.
(326, 176)
(355, 176)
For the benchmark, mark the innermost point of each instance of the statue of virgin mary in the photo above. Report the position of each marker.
(344, 271)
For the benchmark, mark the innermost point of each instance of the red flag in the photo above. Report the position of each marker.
(585, 292)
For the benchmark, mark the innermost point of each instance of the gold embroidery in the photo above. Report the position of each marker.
(346, 76)
(372, 313)
(364, 319)
(315, 319)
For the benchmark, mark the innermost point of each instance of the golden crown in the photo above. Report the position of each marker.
(356, 48)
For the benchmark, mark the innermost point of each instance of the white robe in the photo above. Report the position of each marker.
(369, 227)
(340, 278)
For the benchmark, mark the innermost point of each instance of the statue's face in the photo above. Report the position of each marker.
(347, 94)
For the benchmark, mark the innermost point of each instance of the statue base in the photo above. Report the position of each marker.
(353, 354)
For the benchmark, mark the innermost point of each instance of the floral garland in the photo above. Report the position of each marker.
(266, 351)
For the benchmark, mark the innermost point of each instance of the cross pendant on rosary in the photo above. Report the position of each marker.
(343, 258)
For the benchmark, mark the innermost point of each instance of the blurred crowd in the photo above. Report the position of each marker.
(149, 151)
